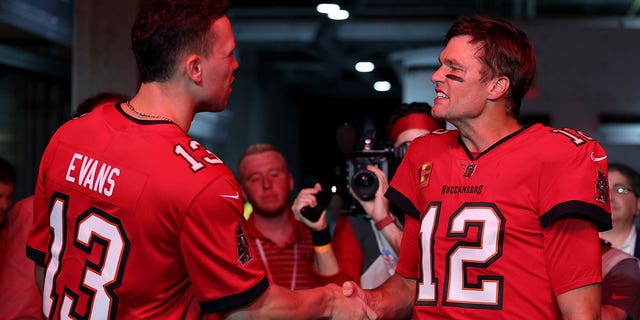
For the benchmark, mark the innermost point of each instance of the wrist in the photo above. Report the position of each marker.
(322, 249)
(321, 237)
(387, 220)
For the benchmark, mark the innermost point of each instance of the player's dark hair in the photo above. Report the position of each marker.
(504, 49)
(90, 103)
(7, 171)
(629, 173)
(166, 29)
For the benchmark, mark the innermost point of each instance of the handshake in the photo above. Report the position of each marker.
(351, 303)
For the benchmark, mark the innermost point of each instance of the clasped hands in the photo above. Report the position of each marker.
(351, 303)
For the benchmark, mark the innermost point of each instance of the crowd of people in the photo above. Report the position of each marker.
(132, 218)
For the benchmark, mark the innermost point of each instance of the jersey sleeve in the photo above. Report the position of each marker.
(574, 180)
(572, 254)
(224, 271)
(403, 192)
(403, 188)
(408, 260)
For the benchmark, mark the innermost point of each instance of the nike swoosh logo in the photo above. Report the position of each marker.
(231, 196)
(617, 297)
(596, 159)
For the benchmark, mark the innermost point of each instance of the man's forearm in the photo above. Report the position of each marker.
(322, 302)
(393, 299)
(581, 303)
(326, 262)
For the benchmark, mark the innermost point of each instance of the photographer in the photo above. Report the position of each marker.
(365, 245)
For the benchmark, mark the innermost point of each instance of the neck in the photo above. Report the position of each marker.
(161, 100)
(479, 135)
(277, 228)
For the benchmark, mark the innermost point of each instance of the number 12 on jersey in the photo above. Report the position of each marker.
(459, 290)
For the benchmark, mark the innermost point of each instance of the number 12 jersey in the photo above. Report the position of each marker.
(501, 233)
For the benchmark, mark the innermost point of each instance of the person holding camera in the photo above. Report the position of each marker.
(365, 244)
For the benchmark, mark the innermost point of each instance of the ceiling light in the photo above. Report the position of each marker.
(327, 8)
(382, 86)
(338, 15)
(365, 66)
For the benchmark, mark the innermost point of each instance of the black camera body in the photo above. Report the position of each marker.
(363, 182)
(314, 213)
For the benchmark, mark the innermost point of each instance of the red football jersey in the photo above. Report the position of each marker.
(134, 219)
(498, 235)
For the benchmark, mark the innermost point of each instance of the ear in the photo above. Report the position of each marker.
(194, 68)
(499, 88)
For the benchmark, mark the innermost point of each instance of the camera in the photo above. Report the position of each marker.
(363, 182)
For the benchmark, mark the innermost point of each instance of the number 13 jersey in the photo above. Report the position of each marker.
(134, 219)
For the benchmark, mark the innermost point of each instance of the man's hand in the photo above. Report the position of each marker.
(351, 303)
(305, 198)
(351, 289)
(378, 207)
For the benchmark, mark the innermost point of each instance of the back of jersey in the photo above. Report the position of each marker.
(115, 213)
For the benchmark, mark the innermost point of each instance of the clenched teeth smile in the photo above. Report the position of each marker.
(441, 95)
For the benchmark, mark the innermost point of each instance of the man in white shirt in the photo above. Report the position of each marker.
(624, 188)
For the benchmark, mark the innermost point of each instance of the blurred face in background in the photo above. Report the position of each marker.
(266, 182)
(624, 202)
(6, 199)
(409, 135)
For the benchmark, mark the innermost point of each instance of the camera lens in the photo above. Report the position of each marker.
(364, 184)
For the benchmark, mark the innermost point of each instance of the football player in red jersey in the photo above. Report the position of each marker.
(134, 219)
(501, 219)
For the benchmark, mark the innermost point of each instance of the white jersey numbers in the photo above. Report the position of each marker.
(577, 137)
(460, 287)
(188, 156)
(93, 230)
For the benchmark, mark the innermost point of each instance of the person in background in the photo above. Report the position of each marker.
(7, 188)
(620, 284)
(98, 99)
(501, 220)
(135, 219)
(374, 232)
(19, 294)
(282, 243)
(624, 184)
